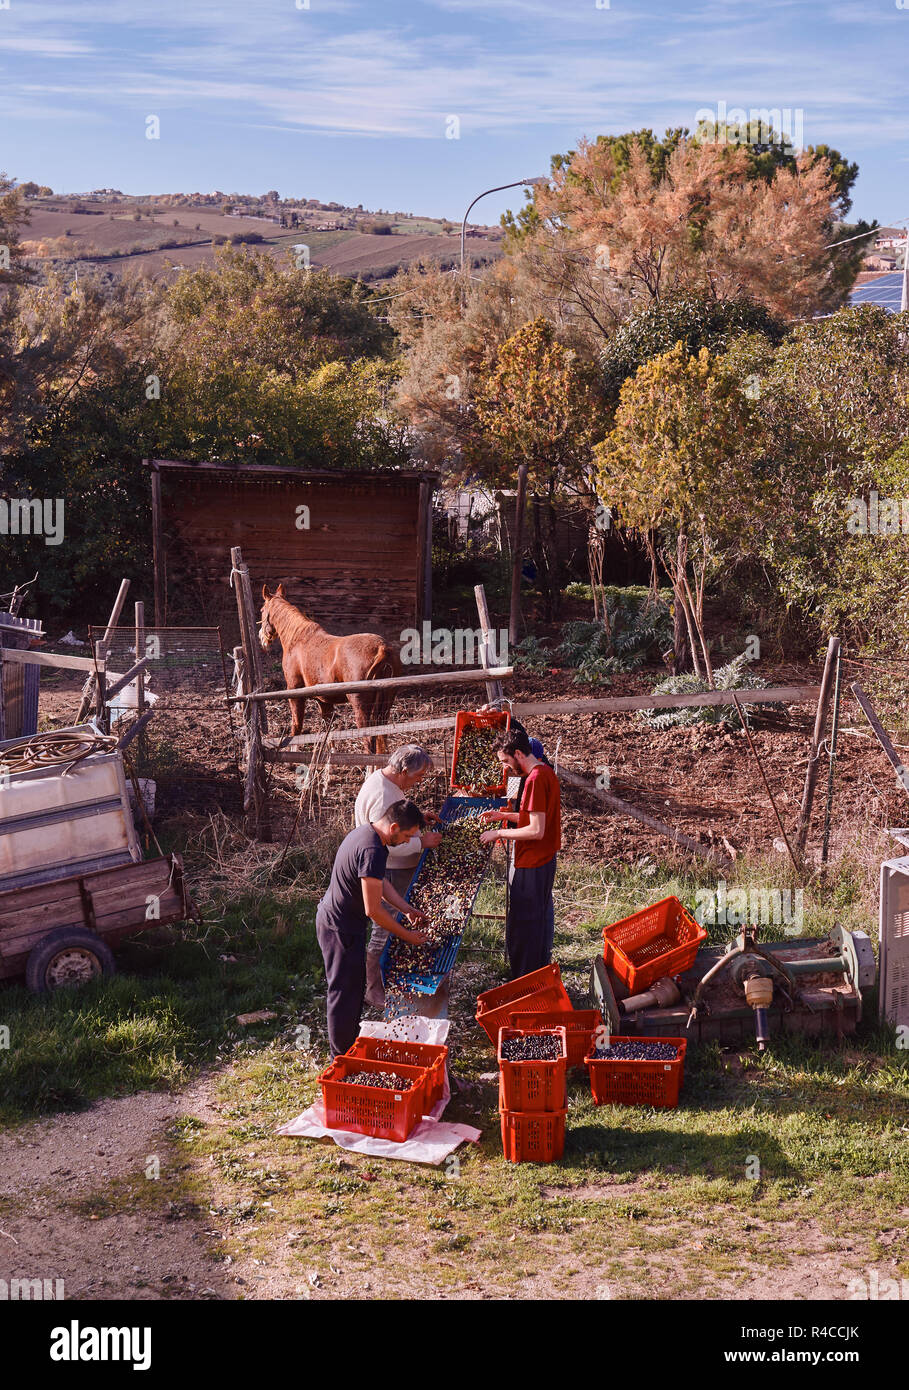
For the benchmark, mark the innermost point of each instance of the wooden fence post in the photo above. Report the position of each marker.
(493, 688)
(101, 648)
(255, 791)
(817, 739)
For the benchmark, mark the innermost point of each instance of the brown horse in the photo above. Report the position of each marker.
(312, 656)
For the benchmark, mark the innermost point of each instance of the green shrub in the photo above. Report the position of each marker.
(531, 655)
(734, 676)
(639, 627)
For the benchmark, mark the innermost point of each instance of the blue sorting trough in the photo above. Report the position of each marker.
(427, 982)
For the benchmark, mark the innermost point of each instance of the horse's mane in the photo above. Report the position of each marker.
(296, 625)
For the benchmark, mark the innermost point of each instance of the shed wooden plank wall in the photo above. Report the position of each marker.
(358, 566)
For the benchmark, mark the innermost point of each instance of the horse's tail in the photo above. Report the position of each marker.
(383, 665)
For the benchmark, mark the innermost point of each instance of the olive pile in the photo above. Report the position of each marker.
(477, 766)
(532, 1047)
(387, 1080)
(639, 1052)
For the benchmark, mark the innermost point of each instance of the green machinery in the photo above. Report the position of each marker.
(749, 990)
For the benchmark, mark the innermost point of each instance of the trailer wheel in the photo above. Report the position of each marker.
(68, 958)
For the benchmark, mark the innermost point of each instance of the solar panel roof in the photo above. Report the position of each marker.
(886, 290)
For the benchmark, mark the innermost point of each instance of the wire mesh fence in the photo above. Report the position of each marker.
(187, 676)
(184, 663)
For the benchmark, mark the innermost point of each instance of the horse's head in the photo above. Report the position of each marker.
(267, 630)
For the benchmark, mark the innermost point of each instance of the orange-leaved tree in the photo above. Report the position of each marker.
(616, 227)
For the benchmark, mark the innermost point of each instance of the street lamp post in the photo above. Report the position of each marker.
(518, 183)
(514, 612)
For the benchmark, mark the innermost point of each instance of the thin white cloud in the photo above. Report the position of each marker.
(271, 65)
(44, 47)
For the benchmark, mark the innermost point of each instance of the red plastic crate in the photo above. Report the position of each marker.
(638, 1083)
(537, 992)
(369, 1109)
(660, 940)
(580, 1026)
(479, 719)
(532, 1086)
(430, 1056)
(536, 1138)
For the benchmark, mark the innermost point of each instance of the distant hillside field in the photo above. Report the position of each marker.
(362, 254)
(110, 237)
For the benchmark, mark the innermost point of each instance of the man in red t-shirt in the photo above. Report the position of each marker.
(537, 836)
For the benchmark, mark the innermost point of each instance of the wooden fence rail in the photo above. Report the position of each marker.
(339, 689)
(784, 694)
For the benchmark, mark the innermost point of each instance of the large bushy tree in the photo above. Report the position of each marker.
(541, 405)
(233, 363)
(833, 406)
(695, 322)
(625, 220)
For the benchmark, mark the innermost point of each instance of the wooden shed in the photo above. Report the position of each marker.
(353, 549)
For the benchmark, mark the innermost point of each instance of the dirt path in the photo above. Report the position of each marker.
(76, 1203)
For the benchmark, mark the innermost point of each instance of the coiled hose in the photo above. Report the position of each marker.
(51, 749)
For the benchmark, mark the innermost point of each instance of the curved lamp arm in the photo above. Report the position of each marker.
(518, 183)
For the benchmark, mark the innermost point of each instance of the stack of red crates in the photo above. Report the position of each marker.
(533, 1101)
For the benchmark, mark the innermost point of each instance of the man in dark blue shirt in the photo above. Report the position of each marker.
(358, 892)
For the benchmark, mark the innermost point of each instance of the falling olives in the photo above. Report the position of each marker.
(444, 890)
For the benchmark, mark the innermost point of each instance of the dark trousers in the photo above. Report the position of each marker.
(344, 954)
(531, 919)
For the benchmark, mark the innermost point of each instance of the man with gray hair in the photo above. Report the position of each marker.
(404, 770)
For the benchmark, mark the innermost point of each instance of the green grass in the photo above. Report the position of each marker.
(171, 1010)
(638, 1192)
(636, 1186)
(173, 1006)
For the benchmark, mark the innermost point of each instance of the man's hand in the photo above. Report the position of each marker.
(414, 938)
(416, 917)
(431, 839)
(487, 816)
(432, 818)
(489, 837)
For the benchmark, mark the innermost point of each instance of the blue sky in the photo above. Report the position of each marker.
(350, 99)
